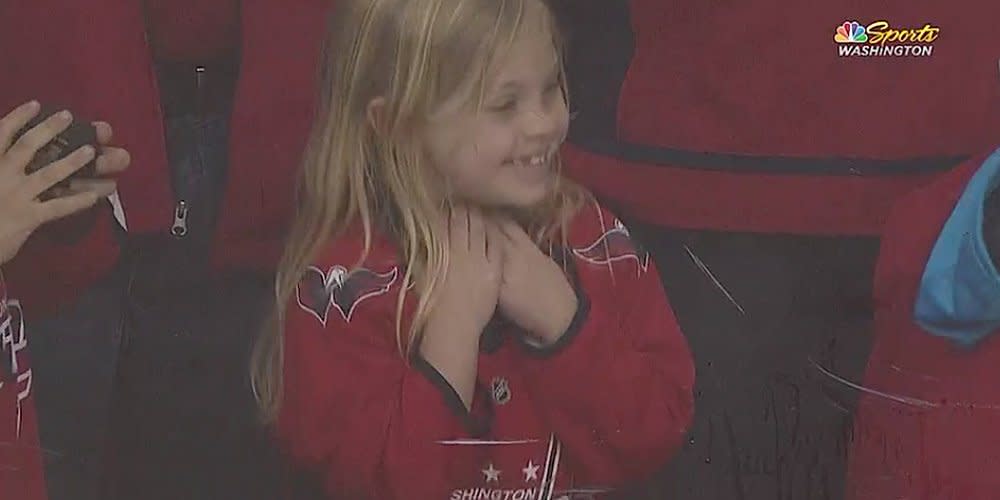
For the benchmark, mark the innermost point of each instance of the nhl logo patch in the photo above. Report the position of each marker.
(501, 390)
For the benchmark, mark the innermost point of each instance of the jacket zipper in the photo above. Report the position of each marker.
(179, 227)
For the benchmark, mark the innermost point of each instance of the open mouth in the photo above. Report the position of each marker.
(535, 160)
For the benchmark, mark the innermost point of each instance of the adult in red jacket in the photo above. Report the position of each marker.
(761, 148)
(119, 83)
(793, 132)
(191, 88)
(411, 435)
(928, 410)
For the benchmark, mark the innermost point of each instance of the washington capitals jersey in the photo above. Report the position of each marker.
(606, 405)
(20, 456)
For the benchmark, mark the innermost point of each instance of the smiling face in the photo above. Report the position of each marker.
(501, 154)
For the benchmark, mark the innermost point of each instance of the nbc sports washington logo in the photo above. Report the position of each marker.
(881, 39)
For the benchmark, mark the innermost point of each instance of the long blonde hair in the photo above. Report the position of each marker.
(414, 54)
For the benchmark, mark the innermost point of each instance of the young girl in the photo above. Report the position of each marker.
(455, 320)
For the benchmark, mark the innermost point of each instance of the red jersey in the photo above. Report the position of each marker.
(607, 404)
(21, 470)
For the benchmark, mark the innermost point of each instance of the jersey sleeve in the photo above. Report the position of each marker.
(21, 468)
(617, 387)
(353, 410)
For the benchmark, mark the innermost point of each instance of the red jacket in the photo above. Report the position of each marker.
(21, 471)
(92, 57)
(926, 425)
(609, 404)
(744, 117)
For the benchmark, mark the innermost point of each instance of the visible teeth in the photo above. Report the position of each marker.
(533, 161)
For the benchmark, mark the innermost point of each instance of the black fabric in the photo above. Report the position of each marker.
(167, 267)
(197, 88)
(670, 157)
(299, 484)
(600, 44)
(475, 426)
(185, 419)
(769, 424)
(991, 226)
(73, 356)
(494, 335)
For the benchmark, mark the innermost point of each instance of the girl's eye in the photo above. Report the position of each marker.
(503, 107)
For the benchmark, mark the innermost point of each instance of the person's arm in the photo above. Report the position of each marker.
(616, 387)
(355, 412)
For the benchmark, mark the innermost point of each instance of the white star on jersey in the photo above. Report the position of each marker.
(492, 475)
(530, 472)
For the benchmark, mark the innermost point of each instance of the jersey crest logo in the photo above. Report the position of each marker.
(614, 245)
(340, 289)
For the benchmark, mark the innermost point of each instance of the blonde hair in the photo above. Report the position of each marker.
(414, 54)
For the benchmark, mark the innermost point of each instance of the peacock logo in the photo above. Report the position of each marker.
(880, 39)
(850, 32)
